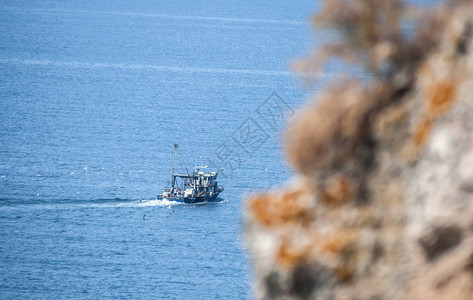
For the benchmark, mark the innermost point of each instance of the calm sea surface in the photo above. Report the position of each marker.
(93, 95)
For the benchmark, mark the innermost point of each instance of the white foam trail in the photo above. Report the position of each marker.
(202, 18)
(74, 206)
(190, 70)
(146, 203)
(164, 16)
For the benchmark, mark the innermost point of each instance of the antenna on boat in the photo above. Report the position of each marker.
(176, 148)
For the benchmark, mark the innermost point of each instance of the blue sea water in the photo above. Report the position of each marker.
(93, 95)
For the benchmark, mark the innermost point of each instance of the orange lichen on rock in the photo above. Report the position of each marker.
(338, 190)
(343, 273)
(273, 209)
(288, 256)
(422, 132)
(439, 92)
(440, 96)
(315, 247)
(335, 242)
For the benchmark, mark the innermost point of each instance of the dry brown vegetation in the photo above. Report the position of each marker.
(344, 229)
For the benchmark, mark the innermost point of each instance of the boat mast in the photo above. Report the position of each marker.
(173, 159)
(182, 159)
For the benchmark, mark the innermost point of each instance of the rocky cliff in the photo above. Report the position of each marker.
(382, 204)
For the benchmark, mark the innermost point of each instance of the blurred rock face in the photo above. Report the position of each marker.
(382, 207)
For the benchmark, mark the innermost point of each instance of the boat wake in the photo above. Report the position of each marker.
(142, 203)
(100, 203)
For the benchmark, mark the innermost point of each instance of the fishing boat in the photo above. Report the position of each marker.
(200, 186)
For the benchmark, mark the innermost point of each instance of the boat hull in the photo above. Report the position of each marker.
(200, 199)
